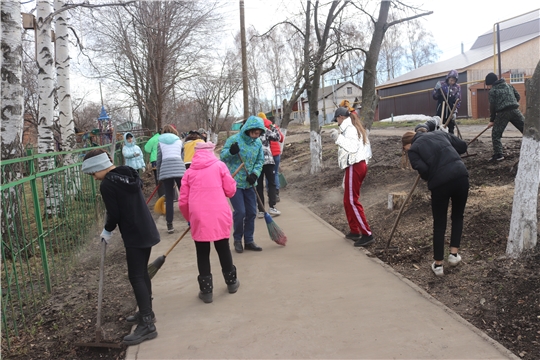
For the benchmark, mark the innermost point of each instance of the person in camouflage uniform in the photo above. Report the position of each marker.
(504, 108)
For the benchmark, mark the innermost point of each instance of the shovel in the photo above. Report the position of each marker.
(98, 342)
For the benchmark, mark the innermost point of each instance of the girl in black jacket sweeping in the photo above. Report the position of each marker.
(121, 192)
(436, 157)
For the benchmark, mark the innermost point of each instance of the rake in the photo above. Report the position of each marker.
(158, 263)
(276, 234)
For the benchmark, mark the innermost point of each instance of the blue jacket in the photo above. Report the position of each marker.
(251, 152)
(132, 153)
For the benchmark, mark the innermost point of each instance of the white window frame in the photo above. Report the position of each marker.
(517, 77)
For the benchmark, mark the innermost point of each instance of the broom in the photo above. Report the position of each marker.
(158, 263)
(152, 195)
(276, 234)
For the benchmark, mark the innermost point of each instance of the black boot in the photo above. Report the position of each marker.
(205, 285)
(232, 282)
(146, 330)
(136, 318)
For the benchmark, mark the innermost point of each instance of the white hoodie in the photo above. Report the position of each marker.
(351, 148)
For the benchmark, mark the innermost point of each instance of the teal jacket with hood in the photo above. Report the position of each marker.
(251, 152)
(132, 153)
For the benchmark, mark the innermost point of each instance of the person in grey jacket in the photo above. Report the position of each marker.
(436, 157)
(170, 168)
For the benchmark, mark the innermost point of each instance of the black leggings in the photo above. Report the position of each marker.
(203, 256)
(268, 171)
(137, 263)
(458, 191)
(169, 197)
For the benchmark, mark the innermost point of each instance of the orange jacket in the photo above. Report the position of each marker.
(274, 145)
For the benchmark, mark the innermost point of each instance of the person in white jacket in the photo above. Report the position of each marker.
(354, 152)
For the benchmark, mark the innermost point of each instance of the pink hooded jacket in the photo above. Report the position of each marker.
(206, 185)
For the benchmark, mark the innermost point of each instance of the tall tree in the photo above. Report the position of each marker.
(12, 91)
(215, 93)
(381, 25)
(150, 48)
(421, 46)
(63, 90)
(524, 221)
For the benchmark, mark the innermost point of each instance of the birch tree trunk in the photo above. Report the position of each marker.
(65, 114)
(12, 112)
(45, 63)
(12, 91)
(524, 220)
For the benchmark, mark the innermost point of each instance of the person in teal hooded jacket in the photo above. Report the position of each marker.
(132, 153)
(244, 202)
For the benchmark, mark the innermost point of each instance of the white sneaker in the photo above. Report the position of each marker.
(454, 260)
(260, 214)
(274, 212)
(438, 271)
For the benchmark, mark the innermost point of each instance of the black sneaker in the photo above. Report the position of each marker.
(253, 247)
(365, 240)
(497, 157)
(238, 247)
(170, 228)
(353, 236)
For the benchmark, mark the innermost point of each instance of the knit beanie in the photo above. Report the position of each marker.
(205, 146)
(491, 78)
(261, 115)
(96, 163)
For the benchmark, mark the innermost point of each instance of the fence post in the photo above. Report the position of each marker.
(39, 223)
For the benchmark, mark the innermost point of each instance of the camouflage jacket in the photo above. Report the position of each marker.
(502, 96)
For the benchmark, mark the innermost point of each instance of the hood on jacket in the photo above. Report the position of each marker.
(168, 138)
(203, 159)
(499, 82)
(133, 141)
(267, 123)
(252, 122)
(452, 73)
(125, 177)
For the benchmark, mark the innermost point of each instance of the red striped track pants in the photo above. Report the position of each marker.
(354, 176)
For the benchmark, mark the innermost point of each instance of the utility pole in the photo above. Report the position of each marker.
(244, 60)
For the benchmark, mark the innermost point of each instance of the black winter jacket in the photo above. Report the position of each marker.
(435, 155)
(121, 190)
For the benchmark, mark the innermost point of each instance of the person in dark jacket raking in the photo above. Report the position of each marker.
(121, 190)
(504, 108)
(436, 157)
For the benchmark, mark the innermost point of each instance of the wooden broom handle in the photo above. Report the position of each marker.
(477, 136)
(252, 186)
(401, 212)
(237, 170)
(177, 241)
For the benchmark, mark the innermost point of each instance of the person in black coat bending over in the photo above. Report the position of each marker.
(436, 157)
(121, 190)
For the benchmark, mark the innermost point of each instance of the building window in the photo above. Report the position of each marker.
(295, 116)
(517, 77)
(349, 90)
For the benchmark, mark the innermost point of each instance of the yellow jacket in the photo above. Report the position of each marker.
(189, 150)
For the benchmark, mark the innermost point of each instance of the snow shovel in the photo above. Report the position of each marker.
(98, 342)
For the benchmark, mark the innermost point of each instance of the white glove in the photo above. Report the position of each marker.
(334, 134)
(143, 169)
(443, 128)
(438, 85)
(106, 235)
(454, 115)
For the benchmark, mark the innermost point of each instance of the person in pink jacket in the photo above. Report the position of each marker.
(206, 185)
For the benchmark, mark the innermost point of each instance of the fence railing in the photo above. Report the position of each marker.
(48, 209)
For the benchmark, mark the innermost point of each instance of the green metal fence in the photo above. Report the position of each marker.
(48, 209)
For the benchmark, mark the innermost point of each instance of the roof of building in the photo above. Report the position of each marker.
(513, 33)
(328, 90)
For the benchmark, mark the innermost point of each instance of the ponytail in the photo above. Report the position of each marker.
(359, 127)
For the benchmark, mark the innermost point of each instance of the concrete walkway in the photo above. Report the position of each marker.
(318, 297)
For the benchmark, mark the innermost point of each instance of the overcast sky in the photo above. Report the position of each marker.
(451, 23)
